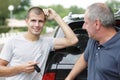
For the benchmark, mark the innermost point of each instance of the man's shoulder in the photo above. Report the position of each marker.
(46, 38)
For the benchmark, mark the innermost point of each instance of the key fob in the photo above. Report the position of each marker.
(37, 68)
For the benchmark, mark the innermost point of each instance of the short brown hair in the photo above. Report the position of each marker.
(36, 10)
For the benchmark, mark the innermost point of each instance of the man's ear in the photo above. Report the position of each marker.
(98, 24)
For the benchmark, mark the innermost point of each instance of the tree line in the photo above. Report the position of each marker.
(21, 6)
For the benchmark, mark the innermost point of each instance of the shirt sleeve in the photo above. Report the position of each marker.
(86, 52)
(6, 53)
(118, 61)
(51, 42)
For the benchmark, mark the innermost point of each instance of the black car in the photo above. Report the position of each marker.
(60, 62)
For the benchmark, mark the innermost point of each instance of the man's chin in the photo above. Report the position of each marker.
(36, 33)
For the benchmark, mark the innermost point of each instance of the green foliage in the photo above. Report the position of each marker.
(60, 10)
(20, 12)
(76, 10)
(114, 4)
(4, 29)
(63, 12)
(20, 29)
(4, 12)
(20, 15)
(19, 6)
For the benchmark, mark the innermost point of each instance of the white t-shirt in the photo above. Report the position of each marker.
(18, 51)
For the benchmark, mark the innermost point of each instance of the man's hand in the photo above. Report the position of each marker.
(28, 67)
(50, 13)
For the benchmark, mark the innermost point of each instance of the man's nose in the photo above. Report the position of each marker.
(83, 27)
(36, 23)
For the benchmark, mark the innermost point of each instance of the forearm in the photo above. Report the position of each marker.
(9, 71)
(70, 38)
(69, 34)
(78, 67)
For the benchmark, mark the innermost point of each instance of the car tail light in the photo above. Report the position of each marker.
(49, 76)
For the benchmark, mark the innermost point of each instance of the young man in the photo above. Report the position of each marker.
(21, 53)
(102, 54)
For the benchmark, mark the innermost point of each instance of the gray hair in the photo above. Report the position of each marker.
(101, 12)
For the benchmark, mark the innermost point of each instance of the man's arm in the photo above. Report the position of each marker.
(6, 71)
(70, 38)
(79, 66)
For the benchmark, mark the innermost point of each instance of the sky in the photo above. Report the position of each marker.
(65, 3)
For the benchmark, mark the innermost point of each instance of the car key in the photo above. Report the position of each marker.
(37, 68)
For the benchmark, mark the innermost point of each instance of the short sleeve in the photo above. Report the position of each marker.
(52, 44)
(118, 61)
(6, 53)
(50, 41)
(86, 52)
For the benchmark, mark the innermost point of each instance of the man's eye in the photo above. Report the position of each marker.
(41, 21)
(33, 20)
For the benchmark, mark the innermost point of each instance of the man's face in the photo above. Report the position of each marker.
(35, 23)
(89, 26)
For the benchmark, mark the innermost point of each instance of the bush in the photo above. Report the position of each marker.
(5, 29)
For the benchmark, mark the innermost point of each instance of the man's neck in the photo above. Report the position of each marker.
(107, 35)
(31, 37)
